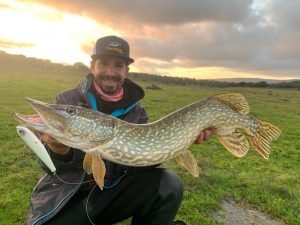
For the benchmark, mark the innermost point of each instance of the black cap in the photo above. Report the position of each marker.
(112, 46)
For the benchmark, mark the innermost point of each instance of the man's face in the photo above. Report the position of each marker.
(109, 73)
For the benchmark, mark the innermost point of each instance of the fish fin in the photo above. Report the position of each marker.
(265, 134)
(99, 170)
(236, 143)
(224, 130)
(87, 163)
(236, 101)
(188, 161)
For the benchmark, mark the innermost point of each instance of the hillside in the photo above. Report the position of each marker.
(39, 66)
(33, 65)
(253, 80)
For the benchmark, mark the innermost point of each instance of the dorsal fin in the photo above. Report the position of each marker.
(236, 101)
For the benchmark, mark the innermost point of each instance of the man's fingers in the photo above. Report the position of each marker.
(199, 139)
(207, 134)
(38, 134)
(47, 139)
(204, 135)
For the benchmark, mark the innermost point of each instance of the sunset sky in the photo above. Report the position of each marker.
(203, 39)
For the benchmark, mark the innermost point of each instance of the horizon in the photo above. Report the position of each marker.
(225, 79)
(201, 40)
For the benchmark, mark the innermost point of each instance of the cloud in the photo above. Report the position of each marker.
(157, 12)
(254, 36)
(14, 45)
(285, 15)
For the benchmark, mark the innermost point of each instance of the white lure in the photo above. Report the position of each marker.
(36, 146)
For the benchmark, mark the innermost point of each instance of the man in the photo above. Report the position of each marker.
(149, 195)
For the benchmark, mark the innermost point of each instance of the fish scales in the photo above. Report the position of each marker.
(103, 136)
(172, 134)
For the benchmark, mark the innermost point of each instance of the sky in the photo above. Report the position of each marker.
(203, 39)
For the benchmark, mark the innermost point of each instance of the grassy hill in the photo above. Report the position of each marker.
(271, 186)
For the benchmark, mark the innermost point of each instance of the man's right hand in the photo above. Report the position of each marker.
(53, 144)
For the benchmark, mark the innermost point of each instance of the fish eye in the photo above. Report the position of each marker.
(71, 111)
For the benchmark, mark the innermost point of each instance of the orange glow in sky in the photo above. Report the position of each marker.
(42, 32)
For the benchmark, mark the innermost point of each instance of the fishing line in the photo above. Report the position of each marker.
(83, 182)
(63, 181)
(105, 187)
(86, 205)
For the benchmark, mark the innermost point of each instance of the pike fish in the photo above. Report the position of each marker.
(102, 136)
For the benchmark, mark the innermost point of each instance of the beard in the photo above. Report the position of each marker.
(109, 84)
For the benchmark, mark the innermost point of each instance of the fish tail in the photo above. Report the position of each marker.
(265, 134)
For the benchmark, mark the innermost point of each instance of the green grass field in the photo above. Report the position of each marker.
(273, 186)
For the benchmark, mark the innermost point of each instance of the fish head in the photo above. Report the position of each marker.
(74, 126)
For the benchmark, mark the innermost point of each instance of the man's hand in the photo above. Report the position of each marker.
(53, 144)
(204, 135)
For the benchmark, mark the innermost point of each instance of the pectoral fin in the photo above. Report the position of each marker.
(236, 143)
(87, 163)
(98, 169)
(188, 161)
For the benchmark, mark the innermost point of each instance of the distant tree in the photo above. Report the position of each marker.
(242, 84)
(209, 83)
(261, 84)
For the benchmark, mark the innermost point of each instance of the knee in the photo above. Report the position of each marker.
(171, 186)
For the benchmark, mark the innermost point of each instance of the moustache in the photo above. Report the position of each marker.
(110, 78)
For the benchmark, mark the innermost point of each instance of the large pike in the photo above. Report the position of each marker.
(103, 136)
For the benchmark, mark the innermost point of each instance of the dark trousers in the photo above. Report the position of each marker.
(150, 198)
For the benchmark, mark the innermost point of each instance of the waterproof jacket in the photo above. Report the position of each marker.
(50, 194)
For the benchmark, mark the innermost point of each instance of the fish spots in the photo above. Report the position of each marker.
(149, 157)
(128, 156)
(132, 152)
(157, 153)
(142, 145)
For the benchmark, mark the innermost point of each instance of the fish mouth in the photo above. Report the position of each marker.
(47, 116)
(50, 114)
(34, 119)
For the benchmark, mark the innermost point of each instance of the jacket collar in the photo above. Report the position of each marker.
(84, 86)
(133, 93)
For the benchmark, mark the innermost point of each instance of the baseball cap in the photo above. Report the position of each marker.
(112, 46)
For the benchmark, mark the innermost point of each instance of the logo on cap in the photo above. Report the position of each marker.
(115, 47)
(115, 44)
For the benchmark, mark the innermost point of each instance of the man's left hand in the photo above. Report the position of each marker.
(204, 135)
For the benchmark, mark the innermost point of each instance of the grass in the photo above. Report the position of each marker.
(272, 186)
